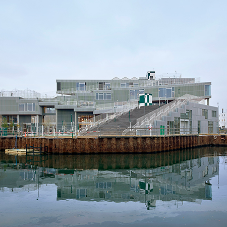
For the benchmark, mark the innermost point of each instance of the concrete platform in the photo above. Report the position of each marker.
(18, 151)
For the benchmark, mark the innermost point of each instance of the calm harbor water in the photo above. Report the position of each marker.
(180, 188)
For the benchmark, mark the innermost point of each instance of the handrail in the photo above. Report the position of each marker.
(124, 109)
(157, 114)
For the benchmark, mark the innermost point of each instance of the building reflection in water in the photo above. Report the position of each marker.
(188, 180)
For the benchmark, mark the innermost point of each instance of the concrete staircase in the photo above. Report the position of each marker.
(118, 125)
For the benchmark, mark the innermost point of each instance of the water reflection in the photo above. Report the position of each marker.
(177, 176)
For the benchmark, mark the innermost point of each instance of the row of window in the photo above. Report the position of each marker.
(27, 107)
(163, 92)
(130, 84)
(205, 113)
(134, 94)
(166, 92)
(81, 86)
(103, 96)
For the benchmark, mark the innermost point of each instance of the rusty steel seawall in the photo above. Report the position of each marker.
(115, 144)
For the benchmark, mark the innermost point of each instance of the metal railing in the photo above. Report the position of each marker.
(157, 114)
(120, 108)
(118, 131)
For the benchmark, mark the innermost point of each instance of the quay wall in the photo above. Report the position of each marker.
(116, 144)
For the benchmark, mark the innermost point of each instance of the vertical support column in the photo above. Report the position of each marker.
(56, 120)
(18, 122)
(76, 126)
(37, 124)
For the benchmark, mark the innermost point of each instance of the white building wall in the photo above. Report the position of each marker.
(223, 119)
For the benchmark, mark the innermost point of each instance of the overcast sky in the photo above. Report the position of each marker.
(45, 40)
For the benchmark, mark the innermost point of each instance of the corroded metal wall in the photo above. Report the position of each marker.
(137, 144)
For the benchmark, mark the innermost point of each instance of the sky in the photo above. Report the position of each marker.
(42, 41)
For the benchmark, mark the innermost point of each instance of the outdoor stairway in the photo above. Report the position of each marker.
(118, 125)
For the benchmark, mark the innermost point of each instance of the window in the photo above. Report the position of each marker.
(100, 96)
(107, 96)
(21, 107)
(107, 86)
(161, 92)
(199, 126)
(104, 185)
(214, 113)
(165, 92)
(81, 193)
(124, 85)
(81, 86)
(177, 125)
(134, 94)
(141, 92)
(103, 96)
(58, 86)
(210, 126)
(168, 92)
(205, 113)
(28, 107)
(173, 91)
(129, 84)
(104, 86)
(49, 110)
(101, 85)
(207, 90)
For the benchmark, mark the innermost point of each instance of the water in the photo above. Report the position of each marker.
(181, 188)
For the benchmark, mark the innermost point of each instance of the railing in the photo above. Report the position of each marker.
(142, 131)
(120, 108)
(157, 114)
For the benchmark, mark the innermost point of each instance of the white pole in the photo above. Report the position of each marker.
(37, 125)
(42, 130)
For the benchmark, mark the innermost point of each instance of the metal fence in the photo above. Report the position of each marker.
(149, 131)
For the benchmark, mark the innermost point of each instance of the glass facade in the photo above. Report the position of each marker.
(207, 90)
(165, 93)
